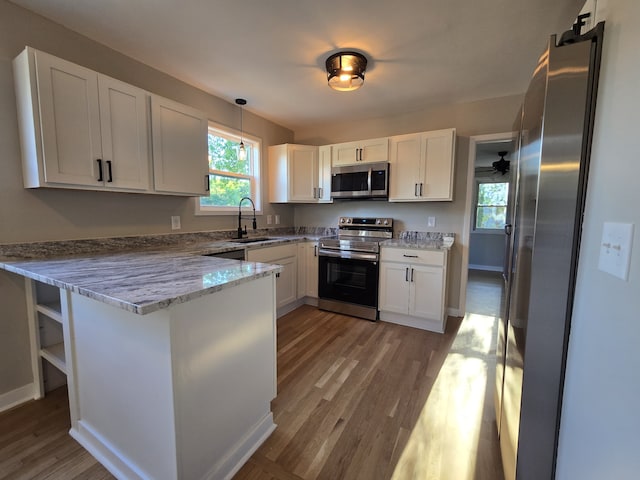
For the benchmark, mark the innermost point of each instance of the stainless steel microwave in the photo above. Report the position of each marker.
(365, 180)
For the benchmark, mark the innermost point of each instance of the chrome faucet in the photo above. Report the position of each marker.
(242, 232)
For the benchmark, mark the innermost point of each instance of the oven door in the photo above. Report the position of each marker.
(348, 277)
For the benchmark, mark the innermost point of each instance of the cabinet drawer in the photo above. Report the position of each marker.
(270, 254)
(413, 255)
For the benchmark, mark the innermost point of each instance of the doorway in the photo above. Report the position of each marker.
(487, 207)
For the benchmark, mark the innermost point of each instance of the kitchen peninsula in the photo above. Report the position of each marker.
(170, 356)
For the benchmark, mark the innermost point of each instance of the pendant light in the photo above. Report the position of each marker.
(242, 152)
(345, 70)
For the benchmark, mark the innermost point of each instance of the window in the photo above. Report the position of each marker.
(491, 205)
(230, 178)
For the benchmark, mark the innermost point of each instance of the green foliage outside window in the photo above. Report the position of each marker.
(491, 209)
(229, 178)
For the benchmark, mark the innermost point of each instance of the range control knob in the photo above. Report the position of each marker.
(342, 219)
(378, 221)
(386, 222)
(348, 220)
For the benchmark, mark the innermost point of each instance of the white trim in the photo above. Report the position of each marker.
(256, 178)
(18, 396)
(466, 224)
(430, 325)
(455, 312)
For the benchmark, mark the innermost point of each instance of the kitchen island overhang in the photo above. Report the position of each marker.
(177, 386)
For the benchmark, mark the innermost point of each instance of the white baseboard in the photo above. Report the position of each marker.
(290, 307)
(122, 468)
(486, 268)
(228, 466)
(455, 312)
(415, 322)
(15, 397)
(117, 464)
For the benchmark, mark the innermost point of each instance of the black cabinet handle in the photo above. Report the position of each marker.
(420, 189)
(409, 256)
(100, 179)
(406, 274)
(109, 170)
(315, 250)
(412, 274)
(207, 185)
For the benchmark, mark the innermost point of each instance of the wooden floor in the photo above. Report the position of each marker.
(356, 400)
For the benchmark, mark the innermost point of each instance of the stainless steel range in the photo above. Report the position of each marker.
(349, 266)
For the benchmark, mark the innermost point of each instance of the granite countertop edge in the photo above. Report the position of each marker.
(104, 281)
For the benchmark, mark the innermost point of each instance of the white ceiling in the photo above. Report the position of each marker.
(272, 52)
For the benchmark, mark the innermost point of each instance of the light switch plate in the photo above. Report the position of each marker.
(175, 222)
(431, 221)
(615, 249)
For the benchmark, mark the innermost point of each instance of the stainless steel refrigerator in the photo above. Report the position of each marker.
(550, 178)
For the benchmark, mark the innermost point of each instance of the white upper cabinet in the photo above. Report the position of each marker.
(180, 162)
(422, 166)
(81, 129)
(124, 120)
(298, 174)
(373, 150)
(78, 128)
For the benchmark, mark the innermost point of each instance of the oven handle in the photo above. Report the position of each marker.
(372, 257)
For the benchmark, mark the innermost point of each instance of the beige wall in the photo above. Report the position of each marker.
(55, 214)
(477, 118)
(600, 420)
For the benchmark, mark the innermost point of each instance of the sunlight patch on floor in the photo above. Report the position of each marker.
(444, 441)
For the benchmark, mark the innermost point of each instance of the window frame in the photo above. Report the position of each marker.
(251, 142)
(479, 181)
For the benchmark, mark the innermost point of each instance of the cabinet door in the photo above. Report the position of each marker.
(179, 148)
(303, 173)
(125, 135)
(405, 162)
(286, 284)
(426, 292)
(324, 174)
(375, 150)
(345, 154)
(70, 120)
(394, 288)
(436, 176)
(302, 268)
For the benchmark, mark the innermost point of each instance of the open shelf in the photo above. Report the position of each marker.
(51, 310)
(54, 354)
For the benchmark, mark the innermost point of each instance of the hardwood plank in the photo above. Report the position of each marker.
(356, 399)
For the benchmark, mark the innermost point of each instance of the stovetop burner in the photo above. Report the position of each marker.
(361, 234)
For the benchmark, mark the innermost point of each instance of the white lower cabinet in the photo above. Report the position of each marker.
(286, 281)
(413, 287)
(308, 269)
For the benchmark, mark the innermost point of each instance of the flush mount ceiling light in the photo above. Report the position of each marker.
(345, 70)
(242, 152)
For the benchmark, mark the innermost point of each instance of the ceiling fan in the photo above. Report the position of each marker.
(499, 166)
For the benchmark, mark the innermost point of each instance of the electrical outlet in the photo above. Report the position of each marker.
(277, 219)
(269, 219)
(431, 221)
(175, 222)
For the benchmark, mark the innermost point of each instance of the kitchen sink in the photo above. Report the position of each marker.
(250, 240)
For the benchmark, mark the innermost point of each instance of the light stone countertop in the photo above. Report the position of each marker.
(148, 280)
(419, 244)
